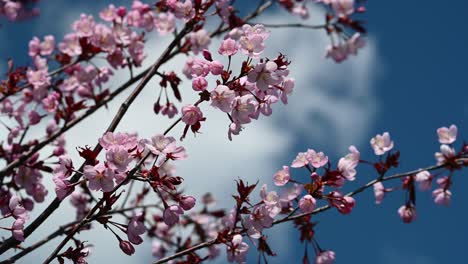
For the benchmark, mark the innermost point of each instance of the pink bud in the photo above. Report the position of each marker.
(307, 203)
(126, 247)
(171, 215)
(187, 202)
(407, 213)
(199, 84)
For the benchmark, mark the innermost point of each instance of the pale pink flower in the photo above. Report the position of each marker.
(65, 167)
(343, 7)
(337, 53)
(216, 67)
(136, 228)
(161, 145)
(171, 215)
(424, 178)
(237, 250)
(446, 152)
(169, 109)
(183, 10)
(291, 193)
(379, 192)
(407, 213)
(39, 79)
(17, 229)
(347, 165)
(191, 114)
(50, 103)
(118, 158)
(264, 75)
(355, 43)
(325, 257)
(300, 161)
(99, 177)
(70, 45)
(252, 46)
(442, 196)
(228, 47)
(84, 27)
(11, 9)
(282, 177)
(103, 38)
(62, 187)
(316, 159)
(110, 139)
(287, 89)
(447, 135)
(222, 98)
(381, 143)
(199, 40)
(108, 14)
(165, 23)
(307, 203)
(16, 208)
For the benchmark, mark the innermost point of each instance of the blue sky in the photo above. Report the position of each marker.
(409, 81)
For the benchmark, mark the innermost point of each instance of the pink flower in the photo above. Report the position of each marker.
(337, 53)
(446, 153)
(347, 164)
(442, 196)
(118, 158)
(62, 187)
(103, 38)
(70, 45)
(355, 43)
(343, 7)
(171, 215)
(216, 67)
(99, 177)
(381, 143)
(157, 249)
(264, 75)
(447, 135)
(222, 98)
(237, 250)
(344, 204)
(17, 229)
(161, 145)
(125, 140)
(169, 109)
(187, 202)
(316, 159)
(424, 178)
(300, 161)
(199, 40)
(191, 114)
(50, 103)
(325, 257)
(165, 23)
(65, 167)
(136, 228)
(84, 27)
(407, 213)
(282, 177)
(183, 10)
(288, 86)
(199, 84)
(11, 9)
(39, 79)
(108, 14)
(379, 192)
(16, 208)
(228, 47)
(307, 203)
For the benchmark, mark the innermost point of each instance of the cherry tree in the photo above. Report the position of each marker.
(129, 184)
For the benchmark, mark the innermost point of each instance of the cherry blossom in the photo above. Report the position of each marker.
(447, 135)
(381, 143)
(99, 177)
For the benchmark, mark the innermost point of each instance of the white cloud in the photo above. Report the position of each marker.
(332, 105)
